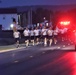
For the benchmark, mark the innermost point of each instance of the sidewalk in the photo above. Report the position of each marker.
(10, 48)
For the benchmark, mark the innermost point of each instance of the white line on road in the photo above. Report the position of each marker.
(2, 51)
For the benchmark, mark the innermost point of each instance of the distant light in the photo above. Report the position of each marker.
(44, 18)
(63, 45)
(17, 23)
(58, 47)
(11, 25)
(74, 30)
(47, 24)
(38, 24)
(65, 22)
(61, 22)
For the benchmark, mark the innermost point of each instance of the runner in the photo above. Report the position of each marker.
(36, 33)
(62, 34)
(32, 36)
(16, 35)
(44, 36)
(27, 36)
(50, 35)
(55, 33)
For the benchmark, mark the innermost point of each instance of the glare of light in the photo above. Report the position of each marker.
(19, 17)
(65, 22)
(63, 45)
(38, 24)
(61, 22)
(17, 23)
(11, 25)
(58, 47)
(73, 30)
(68, 43)
(68, 22)
(47, 24)
(44, 18)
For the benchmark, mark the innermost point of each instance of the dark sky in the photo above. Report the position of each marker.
(8, 3)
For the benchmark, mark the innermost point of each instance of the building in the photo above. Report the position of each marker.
(24, 8)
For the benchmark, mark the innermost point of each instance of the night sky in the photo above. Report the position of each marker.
(8, 3)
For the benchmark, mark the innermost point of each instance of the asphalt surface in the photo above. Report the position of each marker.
(39, 60)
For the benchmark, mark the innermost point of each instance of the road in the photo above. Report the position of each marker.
(39, 60)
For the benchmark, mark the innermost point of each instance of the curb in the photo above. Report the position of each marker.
(8, 50)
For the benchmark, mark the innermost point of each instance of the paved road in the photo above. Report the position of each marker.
(39, 60)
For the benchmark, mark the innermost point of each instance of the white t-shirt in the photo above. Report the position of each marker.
(44, 31)
(55, 32)
(16, 34)
(50, 32)
(32, 33)
(36, 32)
(26, 32)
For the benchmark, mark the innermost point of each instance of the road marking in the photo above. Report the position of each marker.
(7, 50)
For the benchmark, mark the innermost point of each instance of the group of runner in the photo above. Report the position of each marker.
(40, 35)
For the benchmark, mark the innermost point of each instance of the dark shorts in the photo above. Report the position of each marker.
(36, 37)
(32, 38)
(44, 36)
(55, 36)
(27, 38)
(17, 39)
(39, 36)
(50, 37)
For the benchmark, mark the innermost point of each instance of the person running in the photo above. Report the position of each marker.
(44, 36)
(40, 36)
(50, 35)
(27, 36)
(62, 34)
(36, 33)
(16, 35)
(65, 33)
(32, 36)
(55, 34)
